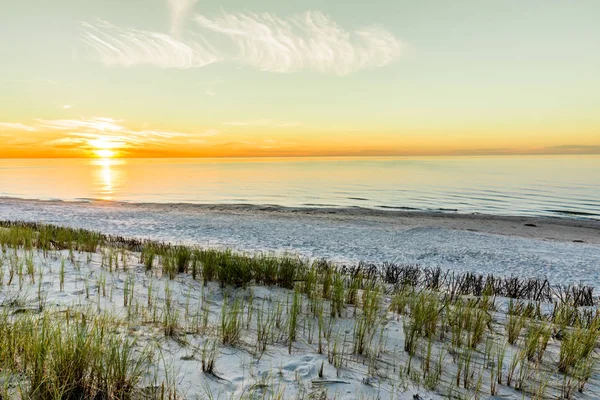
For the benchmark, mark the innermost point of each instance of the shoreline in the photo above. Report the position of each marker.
(559, 229)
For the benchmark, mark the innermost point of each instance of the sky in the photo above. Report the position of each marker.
(197, 78)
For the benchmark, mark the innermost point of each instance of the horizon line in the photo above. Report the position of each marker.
(310, 156)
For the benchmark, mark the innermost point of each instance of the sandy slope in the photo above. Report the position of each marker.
(241, 370)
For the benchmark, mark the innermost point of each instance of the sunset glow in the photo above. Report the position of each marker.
(197, 79)
(105, 153)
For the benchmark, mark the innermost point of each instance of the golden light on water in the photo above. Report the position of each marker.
(107, 177)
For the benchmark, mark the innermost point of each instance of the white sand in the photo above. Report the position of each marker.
(563, 250)
(241, 369)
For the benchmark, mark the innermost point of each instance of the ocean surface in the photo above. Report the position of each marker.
(566, 186)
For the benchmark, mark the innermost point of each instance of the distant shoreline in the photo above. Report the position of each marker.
(563, 229)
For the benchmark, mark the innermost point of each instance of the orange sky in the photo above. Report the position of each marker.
(105, 137)
(383, 77)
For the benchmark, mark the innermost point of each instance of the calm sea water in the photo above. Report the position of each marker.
(557, 185)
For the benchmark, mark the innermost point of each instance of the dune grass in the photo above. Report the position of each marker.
(456, 338)
(70, 357)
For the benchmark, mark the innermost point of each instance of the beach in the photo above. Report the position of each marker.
(564, 250)
(187, 318)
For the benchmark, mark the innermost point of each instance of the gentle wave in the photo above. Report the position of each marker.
(567, 187)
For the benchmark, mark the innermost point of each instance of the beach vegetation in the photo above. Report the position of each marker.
(465, 335)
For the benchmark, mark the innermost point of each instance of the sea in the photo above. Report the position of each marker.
(563, 186)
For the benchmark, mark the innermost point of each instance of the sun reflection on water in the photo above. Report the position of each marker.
(107, 176)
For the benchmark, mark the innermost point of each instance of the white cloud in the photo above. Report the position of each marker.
(155, 133)
(308, 41)
(95, 124)
(15, 126)
(116, 46)
(91, 134)
(68, 141)
(102, 132)
(179, 11)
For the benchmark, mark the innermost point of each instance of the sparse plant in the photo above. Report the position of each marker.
(62, 275)
(170, 314)
(293, 319)
(209, 355)
(514, 326)
(231, 321)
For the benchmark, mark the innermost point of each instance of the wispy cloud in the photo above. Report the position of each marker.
(101, 124)
(179, 11)
(264, 122)
(117, 46)
(91, 134)
(106, 132)
(15, 126)
(309, 41)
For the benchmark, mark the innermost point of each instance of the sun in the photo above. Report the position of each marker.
(104, 147)
(104, 153)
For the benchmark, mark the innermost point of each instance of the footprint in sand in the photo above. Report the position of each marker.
(303, 367)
